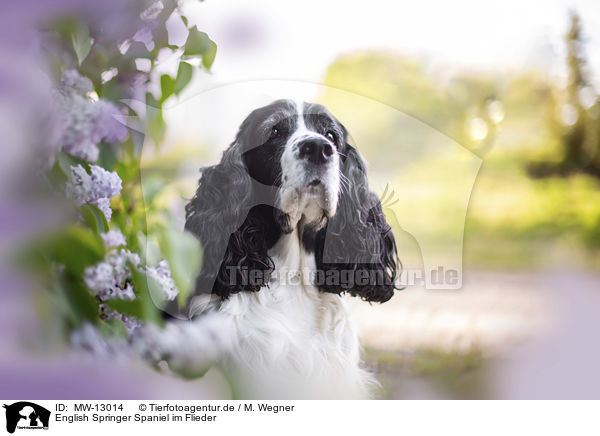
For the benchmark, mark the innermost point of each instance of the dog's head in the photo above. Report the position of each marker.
(297, 147)
(291, 168)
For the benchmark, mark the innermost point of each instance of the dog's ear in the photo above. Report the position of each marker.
(356, 248)
(220, 215)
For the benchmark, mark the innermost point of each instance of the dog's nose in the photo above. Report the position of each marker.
(315, 150)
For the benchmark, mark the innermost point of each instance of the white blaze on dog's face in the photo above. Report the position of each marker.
(310, 166)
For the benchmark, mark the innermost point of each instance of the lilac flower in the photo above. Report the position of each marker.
(88, 338)
(110, 278)
(105, 184)
(104, 205)
(77, 118)
(113, 238)
(131, 323)
(162, 275)
(96, 188)
(108, 126)
(73, 80)
(190, 347)
(83, 122)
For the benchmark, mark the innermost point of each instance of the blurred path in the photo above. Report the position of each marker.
(491, 311)
(537, 334)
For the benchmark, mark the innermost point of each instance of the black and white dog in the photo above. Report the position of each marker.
(288, 224)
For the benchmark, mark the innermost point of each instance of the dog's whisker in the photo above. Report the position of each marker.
(344, 181)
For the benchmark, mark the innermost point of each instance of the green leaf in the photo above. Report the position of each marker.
(149, 249)
(113, 328)
(160, 36)
(182, 251)
(199, 44)
(81, 41)
(82, 305)
(126, 307)
(167, 86)
(184, 75)
(137, 50)
(152, 101)
(184, 19)
(209, 57)
(147, 293)
(94, 218)
(57, 177)
(156, 125)
(75, 247)
(113, 90)
(157, 128)
(65, 161)
(108, 156)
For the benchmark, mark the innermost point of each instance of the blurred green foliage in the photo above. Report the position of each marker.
(508, 118)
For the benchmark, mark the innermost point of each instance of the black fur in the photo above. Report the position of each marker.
(233, 213)
(235, 231)
(358, 239)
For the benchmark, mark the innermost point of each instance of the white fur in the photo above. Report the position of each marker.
(292, 340)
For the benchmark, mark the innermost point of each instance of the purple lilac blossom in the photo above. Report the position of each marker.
(113, 238)
(104, 205)
(96, 188)
(192, 346)
(110, 278)
(109, 126)
(84, 122)
(131, 323)
(75, 81)
(162, 274)
(88, 338)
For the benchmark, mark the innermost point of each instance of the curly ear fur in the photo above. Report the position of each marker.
(358, 239)
(231, 228)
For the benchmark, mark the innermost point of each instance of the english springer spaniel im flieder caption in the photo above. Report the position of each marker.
(287, 224)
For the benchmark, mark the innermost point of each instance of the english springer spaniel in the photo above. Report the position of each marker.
(288, 224)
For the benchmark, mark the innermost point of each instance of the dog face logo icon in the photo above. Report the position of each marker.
(26, 415)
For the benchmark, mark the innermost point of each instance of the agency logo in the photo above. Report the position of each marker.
(26, 415)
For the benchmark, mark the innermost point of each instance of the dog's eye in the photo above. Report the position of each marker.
(331, 135)
(275, 131)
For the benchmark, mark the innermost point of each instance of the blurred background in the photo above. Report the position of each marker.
(481, 126)
(514, 86)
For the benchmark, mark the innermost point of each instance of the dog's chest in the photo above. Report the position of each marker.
(294, 341)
